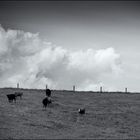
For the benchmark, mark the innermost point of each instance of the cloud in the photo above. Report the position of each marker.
(33, 62)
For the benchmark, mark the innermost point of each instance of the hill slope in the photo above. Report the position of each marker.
(107, 115)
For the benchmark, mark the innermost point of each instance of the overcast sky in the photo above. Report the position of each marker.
(87, 44)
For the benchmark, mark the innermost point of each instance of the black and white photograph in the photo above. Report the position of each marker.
(69, 69)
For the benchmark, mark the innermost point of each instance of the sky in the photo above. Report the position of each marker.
(64, 43)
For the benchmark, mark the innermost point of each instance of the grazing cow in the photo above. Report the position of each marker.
(11, 97)
(46, 101)
(81, 111)
(19, 94)
(48, 92)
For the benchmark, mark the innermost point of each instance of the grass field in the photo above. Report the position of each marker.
(108, 115)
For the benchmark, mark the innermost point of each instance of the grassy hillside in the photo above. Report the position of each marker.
(108, 115)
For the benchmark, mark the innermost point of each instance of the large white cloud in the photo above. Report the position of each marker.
(33, 62)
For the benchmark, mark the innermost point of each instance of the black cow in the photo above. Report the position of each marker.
(11, 97)
(46, 101)
(81, 111)
(48, 92)
(19, 94)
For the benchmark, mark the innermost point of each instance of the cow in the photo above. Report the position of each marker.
(46, 101)
(19, 94)
(48, 92)
(11, 97)
(81, 111)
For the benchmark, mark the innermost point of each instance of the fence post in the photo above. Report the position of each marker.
(17, 85)
(125, 90)
(101, 90)
(74, 88)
